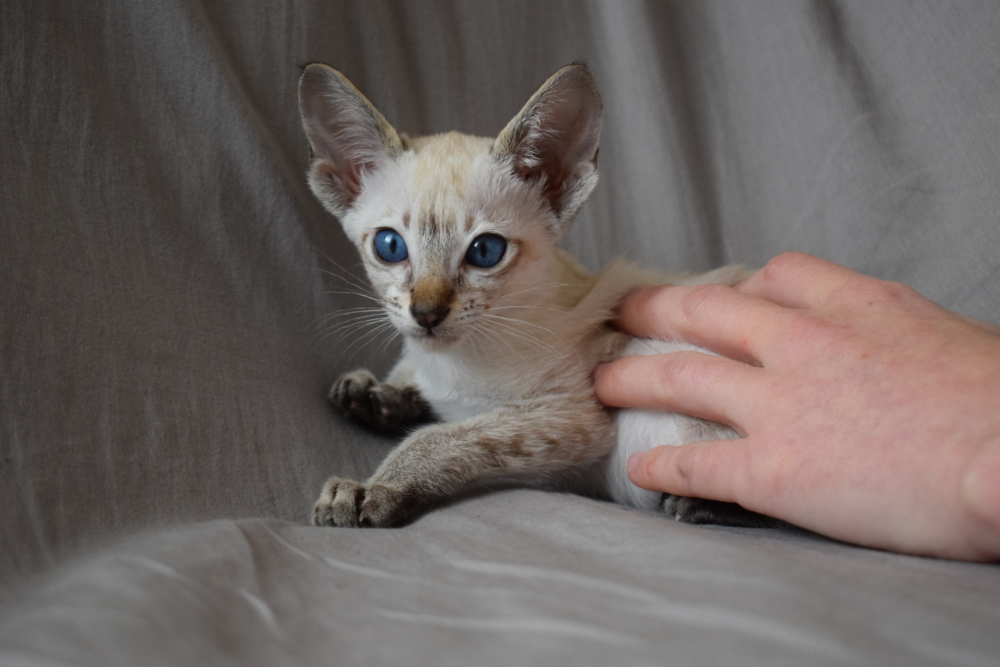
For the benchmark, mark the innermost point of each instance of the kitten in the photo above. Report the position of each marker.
(501, 329)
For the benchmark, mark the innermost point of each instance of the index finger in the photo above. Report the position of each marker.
(736, 325)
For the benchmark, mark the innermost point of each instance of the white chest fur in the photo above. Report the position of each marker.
(453, 389)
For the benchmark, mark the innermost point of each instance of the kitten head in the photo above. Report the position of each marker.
(451, 225)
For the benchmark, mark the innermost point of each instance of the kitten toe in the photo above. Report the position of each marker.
(322, 514)
(396, 407)
(351, 395)
(384, 507)
(346, 504)
(338, 503)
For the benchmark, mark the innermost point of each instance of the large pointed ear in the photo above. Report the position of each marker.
(555, 138)
(348, 136)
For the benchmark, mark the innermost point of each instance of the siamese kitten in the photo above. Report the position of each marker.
(501, 329)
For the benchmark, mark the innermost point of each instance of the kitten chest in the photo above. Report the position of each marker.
(457, 390)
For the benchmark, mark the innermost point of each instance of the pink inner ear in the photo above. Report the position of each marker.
(555, 179)
(553, 154)
(344, 178)
(557, 134)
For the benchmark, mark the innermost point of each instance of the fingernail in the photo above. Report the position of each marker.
(598, 369)
(633, 461)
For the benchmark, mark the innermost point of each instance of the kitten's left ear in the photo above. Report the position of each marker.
(555, 138)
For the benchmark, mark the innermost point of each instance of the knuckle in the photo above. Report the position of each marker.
(873, 291)
(684, 469)
(780, 264)
(893, 292)
(674, 372)
(701, 297)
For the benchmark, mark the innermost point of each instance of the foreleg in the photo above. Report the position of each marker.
(536, 440)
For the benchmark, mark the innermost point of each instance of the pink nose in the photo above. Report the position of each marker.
(430, 316)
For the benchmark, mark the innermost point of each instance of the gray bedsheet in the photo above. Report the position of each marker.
(166, 282)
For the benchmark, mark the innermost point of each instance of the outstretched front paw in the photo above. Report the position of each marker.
(347, 503)
(378, 405)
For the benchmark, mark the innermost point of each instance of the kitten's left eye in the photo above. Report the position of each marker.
(486, 250)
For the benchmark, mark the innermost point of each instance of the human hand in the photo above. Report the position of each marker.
(870, 414)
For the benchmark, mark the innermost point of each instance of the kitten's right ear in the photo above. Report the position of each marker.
(348, 136)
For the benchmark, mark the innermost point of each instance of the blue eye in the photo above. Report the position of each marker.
(390, 246)
(486, 250)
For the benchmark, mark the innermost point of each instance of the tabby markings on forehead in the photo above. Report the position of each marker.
(429, 225)
(437, 224)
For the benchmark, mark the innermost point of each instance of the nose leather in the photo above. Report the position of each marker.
(430, 302)
(429, 318)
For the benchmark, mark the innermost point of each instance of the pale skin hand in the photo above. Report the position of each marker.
(870, 414)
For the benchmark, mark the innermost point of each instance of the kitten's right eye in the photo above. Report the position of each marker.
(390, 246)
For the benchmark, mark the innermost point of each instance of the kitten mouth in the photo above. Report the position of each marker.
(435, 338)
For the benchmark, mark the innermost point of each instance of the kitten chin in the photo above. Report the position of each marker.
(437, 341)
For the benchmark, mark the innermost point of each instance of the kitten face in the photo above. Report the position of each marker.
(440, 196)
(450, 226)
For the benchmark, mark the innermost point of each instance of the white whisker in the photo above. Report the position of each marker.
(354, 324)
(363, 296)
(538, 287)
(341, 267)
(528, 322)
(496, 336)
(372, 336)
(560, 311)
(361, 287)
(525, 336)
(346, 312)
(388, 341)
(351, 327)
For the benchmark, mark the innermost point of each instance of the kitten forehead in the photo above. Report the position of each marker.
(439, 187)
(443, 165)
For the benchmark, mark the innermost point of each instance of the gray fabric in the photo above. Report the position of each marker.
(164, 283)
(515, 578)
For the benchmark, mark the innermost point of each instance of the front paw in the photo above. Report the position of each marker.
(347, 503)
(378, 405)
